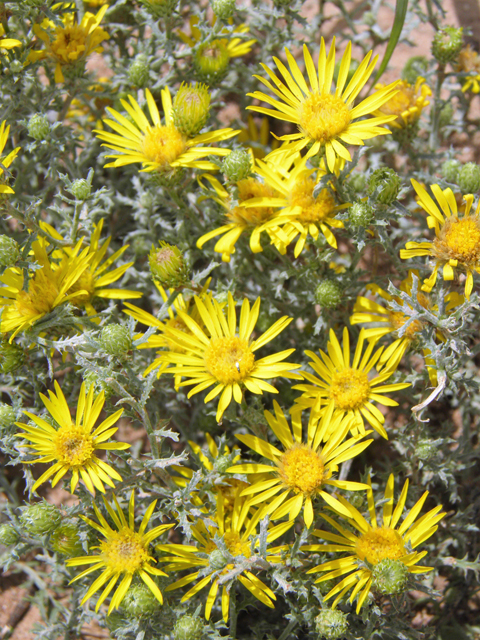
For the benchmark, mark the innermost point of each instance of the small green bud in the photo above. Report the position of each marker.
(7, 416)
(328, 294)
(383, 185)
(116, 339)
(370, 19)
(237, 165)
(354, 64)
(160, 8)
(222, 463)
(167, 265)
(191, 108)
(223, 9)
(414, 67)
(40, 518)
(38, 126)
(331, 624)
(217, 560)
(139, 71)
(66, 540)
(11, 356)
(8, 535)
(446, 114)
(211, 62)
(360, 214)
(140, 601)
(426, 449)
(81, 189)
(16, 66)
(188, 628)
(450, 170)
(469, 178)
(447, 43)
(389, 576)
(9, 252)
(357, 182)
(92, 377)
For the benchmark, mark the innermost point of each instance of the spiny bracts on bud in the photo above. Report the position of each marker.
(188, 628)
(9, 251)
(426, 449)
(11, 356)
(81, 189)
(360, 214)
(328, 294)
(65, 540)
(40, 518)
(140, 601)
(139, 71)
(211, 62)
(191, 108)
(414, 67)
(222, 463)
(92, 377)
(7, 416)
(447, 43)
(38, 126)
(383, 185)
(237, 165)
(116, 339)
(159, 8)
(167, 265)
(223, 9)
(8, 535)
(331, 624)
(450, 170)
(217, 560)
(469, 178)
(389, 576)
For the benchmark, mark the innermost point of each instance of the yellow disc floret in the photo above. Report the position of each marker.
(163, 144)
(350, 389)
(253, 216)
(73, 445)
(459, 239)
(302, 469)
(229, 359)
(86, 282)
(124, 551)
(40, 298)
(377, 544)
(313, 209)
(236, 545)
(322, 118)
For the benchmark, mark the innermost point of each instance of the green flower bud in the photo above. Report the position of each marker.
(188, 628)
(223, 9)
(237, 165)
(92, 377)
(38, 126)
(450, 170)
(160, 8)
(211, 62)
(9, 252)
(357, 182)
(191, 108)
(81, 189)
(7, 416)
(469, 178)
(222, 463)
(16, 66)
(167, 265)
(116, 339)
(360, 214)
(217, 560)
(40, 518)
(11, 356)
(447, 43)
(414, 67)
(8, 535)
(354, 64)
(389, 576)
(369, 18)
(139, 71)
(66, 540)
(383, 185)
(328, 294)
(426, 449)
(446, 114)
(140, 601)
(331, 624)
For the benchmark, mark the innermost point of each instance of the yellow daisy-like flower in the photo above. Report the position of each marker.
(223, 356)
(457, 242)
(256, 138)
(468, 61)
(234, 47)
(123, 552)
(346, 386)
(374, 543)
(302, 468)
(48, 287)
(239, 541)
(71, 43)
(8, 159)
(7, 43)
(326, 121)
(407, 104)
(73, 445)
(158, 147)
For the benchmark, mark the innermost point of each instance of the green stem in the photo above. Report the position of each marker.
(232, 613)
(435, 121)
(76, 219)
(287, 631)
(66, 107)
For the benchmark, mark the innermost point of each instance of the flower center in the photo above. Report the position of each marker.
(123, 551)
(40, 298)
(69, 44)
(378, 544)
(212, 57)
(163, 145)
(313, 209)
(459, 240)
(350, 389)
(253, 216)
(73, 446)
(229, 360)
(236, 545)
(302, 469)
(86, 282)
(323, 118)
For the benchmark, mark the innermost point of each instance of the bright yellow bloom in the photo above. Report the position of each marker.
(219, 355)
(374, 543)
(457, 242)
(346, 385)
(48, 287)
(8, 159)
(158, 147)
(239, 541)
(72, 445)
(7, 43)
(124, 552)
(407, 104)
(234, 47)
(325, 120)
(468, 61)
(71, 43)
(303, 468)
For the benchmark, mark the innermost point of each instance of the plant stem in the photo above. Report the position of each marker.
(435, 122)
(289, 628)
(232, 614)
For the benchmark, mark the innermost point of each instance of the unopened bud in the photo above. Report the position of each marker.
(389, 576)
(360, 214)
(469, 178)
(383, 185)
(159, 8)
(426, 450)
(447, 43)
(40, 518)
(7, 416)
(167, 265)
(188, 628)
(81, 189)
(331, 624)
(328, 294)
(140, 601)
(38, 126)
(222, 463)
(191, 108)
(8, 535)
(66, 540)
(116, 339)
(11, 356)
(139, 71)
(237, 165)
(450, 170)
(9, 252)
(217, 560)
(211, 62)
(223, 9)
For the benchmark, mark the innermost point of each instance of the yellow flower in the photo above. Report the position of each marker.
(214, 559)
(234, 47)
(303, 468)
(123, 552)
(407, 105)
(457, 241)
(71, 43)
(8, 159)
(7, 43)
(468, 61)
(256, 138)
(374, 543)
(346, 385)
(325, 120)
(223, 356)
(48, 287)
(72, 445)
(158, 147)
